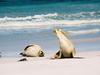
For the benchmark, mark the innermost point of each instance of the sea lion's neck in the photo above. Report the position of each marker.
(63, 39)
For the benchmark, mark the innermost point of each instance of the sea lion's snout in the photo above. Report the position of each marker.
(55, 30)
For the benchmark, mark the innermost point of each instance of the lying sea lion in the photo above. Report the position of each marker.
(67, 49)
(33, 51)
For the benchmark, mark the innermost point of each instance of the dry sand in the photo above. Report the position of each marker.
(84, 63)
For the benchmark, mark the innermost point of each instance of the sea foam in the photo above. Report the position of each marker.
(89, 31)
(48, 21)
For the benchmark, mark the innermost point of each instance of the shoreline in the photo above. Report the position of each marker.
(84, 54)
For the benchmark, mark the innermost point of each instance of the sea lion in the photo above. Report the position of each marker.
(33, 51)
(67, 49)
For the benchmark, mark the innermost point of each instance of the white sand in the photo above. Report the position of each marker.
(85, 63)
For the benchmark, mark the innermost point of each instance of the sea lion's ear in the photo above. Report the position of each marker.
(63, 32)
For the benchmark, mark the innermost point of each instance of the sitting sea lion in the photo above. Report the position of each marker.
(67, 49)
(33, 51)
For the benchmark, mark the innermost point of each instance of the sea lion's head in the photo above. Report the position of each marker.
(60, 32)
(41, 53)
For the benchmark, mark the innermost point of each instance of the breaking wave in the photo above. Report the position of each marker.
(48, 21)
(90, 31)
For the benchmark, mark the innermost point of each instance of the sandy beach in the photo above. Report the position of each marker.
(84, 63)
(44, 22)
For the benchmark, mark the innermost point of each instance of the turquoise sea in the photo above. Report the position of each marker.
(24, 22)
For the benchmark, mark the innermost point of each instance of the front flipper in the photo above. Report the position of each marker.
(23, 54)
(57, 55)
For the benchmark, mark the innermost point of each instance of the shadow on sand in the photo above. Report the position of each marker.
(70, 58)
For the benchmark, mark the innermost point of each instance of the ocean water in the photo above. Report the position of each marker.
(33, 22)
